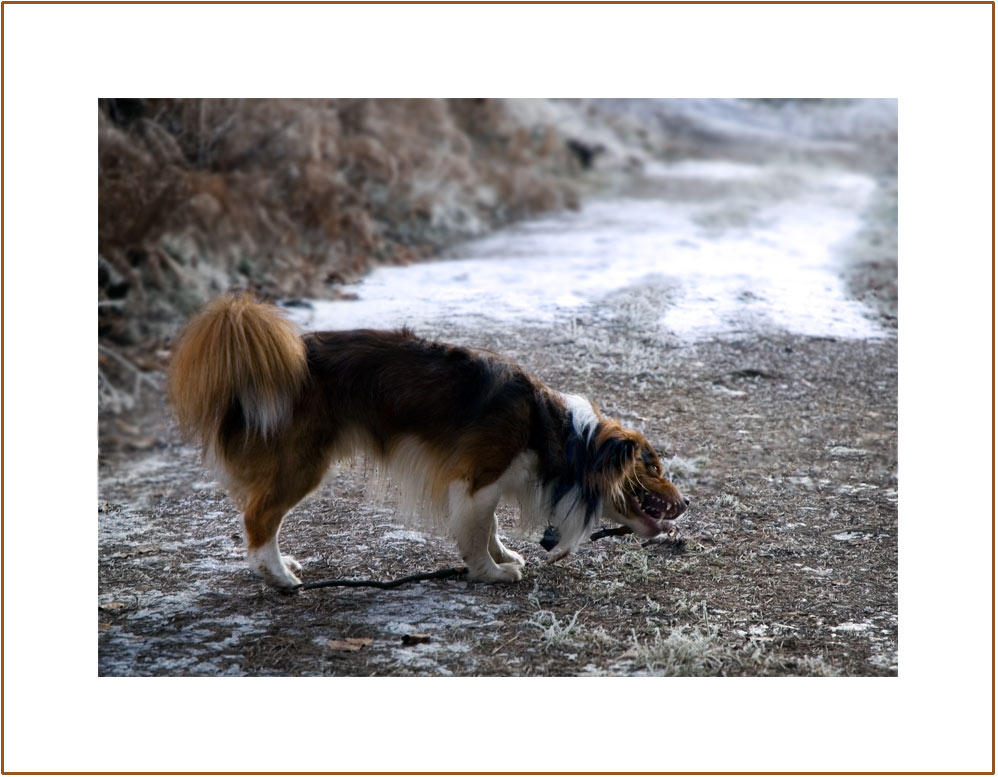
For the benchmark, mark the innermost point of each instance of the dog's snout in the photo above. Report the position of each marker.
(677, 507)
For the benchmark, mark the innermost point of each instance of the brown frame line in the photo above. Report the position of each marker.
(517, 2)
(501, 2)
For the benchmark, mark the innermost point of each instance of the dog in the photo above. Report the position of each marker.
(458, 429)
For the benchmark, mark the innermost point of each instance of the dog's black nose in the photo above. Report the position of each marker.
(686, 501)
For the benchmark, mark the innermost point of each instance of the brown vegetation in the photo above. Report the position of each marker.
(293, 197)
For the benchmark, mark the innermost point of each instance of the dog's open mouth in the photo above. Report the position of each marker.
(655, 513)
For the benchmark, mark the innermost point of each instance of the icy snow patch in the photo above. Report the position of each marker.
(850, 626)
(451, 618)
(742, 261)
(405, 536)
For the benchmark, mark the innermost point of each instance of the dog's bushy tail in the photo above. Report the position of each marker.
(236, 355)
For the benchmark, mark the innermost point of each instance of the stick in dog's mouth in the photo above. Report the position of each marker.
(669, 532)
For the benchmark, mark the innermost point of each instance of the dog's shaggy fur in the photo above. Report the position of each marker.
(458, 428)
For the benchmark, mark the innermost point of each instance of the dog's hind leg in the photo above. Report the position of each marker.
(263, 522)
(272, 498)
(473, 522)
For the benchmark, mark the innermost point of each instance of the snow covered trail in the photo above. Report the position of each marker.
(725, 248)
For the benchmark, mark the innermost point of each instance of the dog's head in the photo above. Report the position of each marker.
(635, 490)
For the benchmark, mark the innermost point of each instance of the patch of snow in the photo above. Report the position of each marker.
(842, 451)
(854, 488)
(853, 627)
(885, 661)
(846, 536)
(725, 391)
(760, 261)
(206, 485)
(406, 536)
(704, 169)
(441, 613)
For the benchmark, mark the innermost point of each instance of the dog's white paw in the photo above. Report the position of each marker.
(503, 555)
(270, 565)
(278, 578)
(509, 572)
(512, 557)
(291, 564)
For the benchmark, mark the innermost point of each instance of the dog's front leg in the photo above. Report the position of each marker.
(499, 552)
(473, 523)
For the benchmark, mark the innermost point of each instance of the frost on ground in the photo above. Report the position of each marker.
(782, 572)
(770, 391)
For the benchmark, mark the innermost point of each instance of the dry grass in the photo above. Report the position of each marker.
(294, 197)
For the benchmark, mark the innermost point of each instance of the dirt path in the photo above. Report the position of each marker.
(784, 436)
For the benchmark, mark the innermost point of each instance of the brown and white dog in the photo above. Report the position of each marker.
(458, 428)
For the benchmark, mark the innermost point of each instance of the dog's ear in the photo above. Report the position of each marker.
(614, 453)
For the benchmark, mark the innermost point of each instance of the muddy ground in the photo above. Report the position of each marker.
(786, 446)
